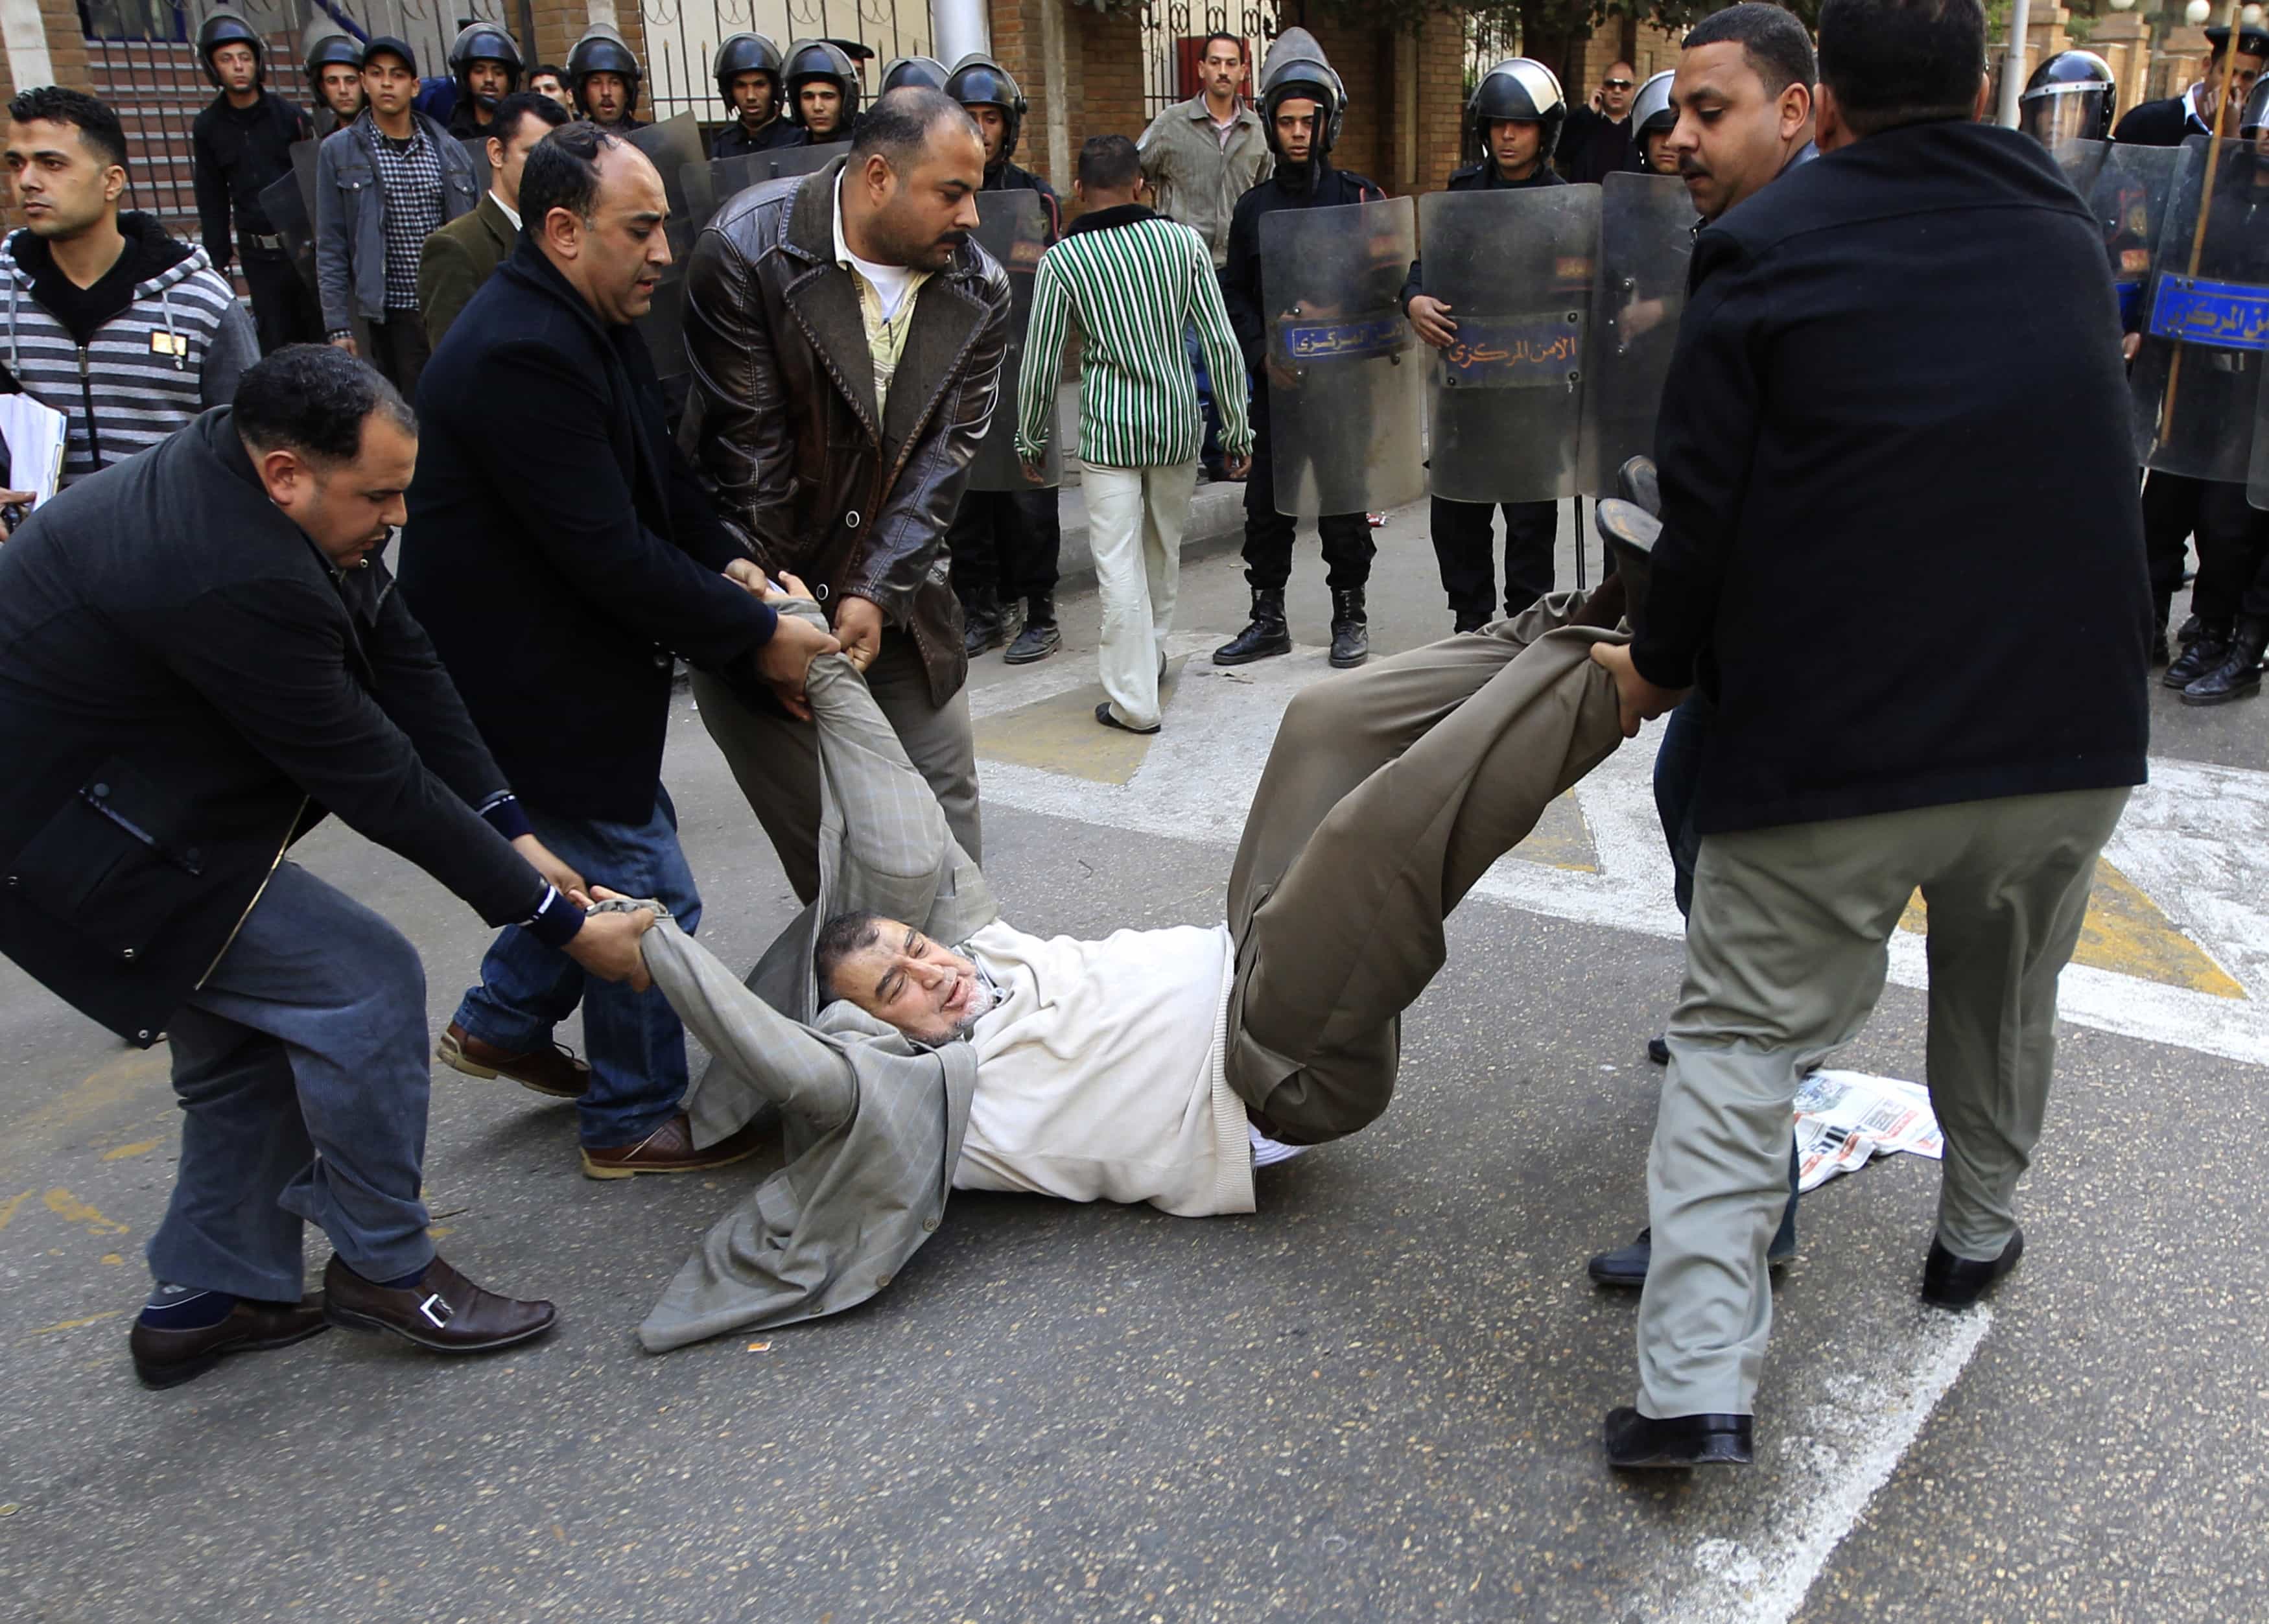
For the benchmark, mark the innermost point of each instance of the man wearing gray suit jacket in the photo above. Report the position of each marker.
(914, 1043)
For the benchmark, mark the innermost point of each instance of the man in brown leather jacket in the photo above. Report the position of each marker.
(845, 335)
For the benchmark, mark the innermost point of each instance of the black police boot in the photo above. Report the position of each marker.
(1267, 635)
(2239, 674)
(2202, 656)
(980, 614)
(1350, 631)
(2187, 633)
(1039, 639)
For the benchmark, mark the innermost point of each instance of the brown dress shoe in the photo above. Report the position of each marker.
(165, 1358)
(444, 1312)
(553, 1071)
(670, 1150)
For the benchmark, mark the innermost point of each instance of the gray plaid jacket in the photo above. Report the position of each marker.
(872, 1125)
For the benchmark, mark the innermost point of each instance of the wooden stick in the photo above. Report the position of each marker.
(2205, 208)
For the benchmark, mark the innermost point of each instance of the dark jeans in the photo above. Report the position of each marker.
(2170, 513)
(285, 309)
(399, 350)
(1677, 774)
(302, 1071)
(636, 1045)
(1008, 540)
(2233, 546)
(1463, 534)
(1348, 546)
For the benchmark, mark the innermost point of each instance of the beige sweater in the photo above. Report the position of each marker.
(1099, 1074)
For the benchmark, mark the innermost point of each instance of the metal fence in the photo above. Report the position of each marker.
(1173, 39)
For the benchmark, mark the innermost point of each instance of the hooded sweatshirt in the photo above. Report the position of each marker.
(156, 340)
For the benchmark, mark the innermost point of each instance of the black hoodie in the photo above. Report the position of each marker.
(149, 250)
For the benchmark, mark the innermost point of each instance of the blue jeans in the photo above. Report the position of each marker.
(302, 1070)
(1209, 454)
(1677, 774)
(633, 1040)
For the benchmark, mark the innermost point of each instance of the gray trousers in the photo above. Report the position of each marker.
(1786, 950)
(775, 758)
(302, 1070)
(1388, 793)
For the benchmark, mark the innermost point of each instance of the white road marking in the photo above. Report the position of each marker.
(2195, 840)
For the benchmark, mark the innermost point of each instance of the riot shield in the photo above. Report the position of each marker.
(794, 160)
(477, 149)
(2126, 189)
(1344, 385)
(2197, 380)
(1638, 292)
(1013, 227)
(711, 185)
(672, 144)
(1505, 399)
(289, 203)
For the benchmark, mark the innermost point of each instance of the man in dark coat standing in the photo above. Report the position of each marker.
(846, 336)
(560, 556)
(2172, 120)
(200, 656)
(1852, 420)
(241, 143)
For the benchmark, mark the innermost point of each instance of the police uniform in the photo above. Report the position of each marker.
(238, 151)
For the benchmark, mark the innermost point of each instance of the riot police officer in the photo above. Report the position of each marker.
(486, 63)
(823, 89)
(603, 76)
(747, 69)
(1302, 103)
(1518, 111)
(1653, 116)
(242, 141)
(2070, 97)
(1005, 544)
(901, 71)
(335, 75)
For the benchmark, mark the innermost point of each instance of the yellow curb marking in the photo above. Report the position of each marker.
(139, 1147)
(70, 1209)
(73, 1325)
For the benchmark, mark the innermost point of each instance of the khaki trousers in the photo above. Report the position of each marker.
(775, 758)
(1134, 520)
(1785, 956)
(1388, 793)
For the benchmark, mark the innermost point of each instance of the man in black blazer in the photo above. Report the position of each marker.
(560, 553)
(200, 657)
(1851, 421)
(2174, 119)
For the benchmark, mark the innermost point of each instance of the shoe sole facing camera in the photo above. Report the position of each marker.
(706, 1165)
(451, 1055)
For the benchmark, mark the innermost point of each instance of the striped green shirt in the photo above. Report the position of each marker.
(1133, 286)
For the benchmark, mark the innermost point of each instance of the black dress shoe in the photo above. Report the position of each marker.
(444, 1312)
(1626, 1266)
(1103, 714)
(1637, 1441)
(1658, 1050)
(1949, 1281)
(166, 1358)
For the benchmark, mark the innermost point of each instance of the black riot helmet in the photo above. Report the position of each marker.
(1652, 109)
(227, 28)
(2255, 118)
(483, 42)
(2070, 97)
(1524, 89)
(900, 71)
(821, 59)
(333, 49)
(1295, 68)
(602, 50)
(977, 81)
(747, 53)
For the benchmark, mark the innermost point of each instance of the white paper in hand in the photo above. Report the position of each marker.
(34, 434)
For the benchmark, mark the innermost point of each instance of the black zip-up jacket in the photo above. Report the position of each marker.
(735, 141)
(238, 150)
(1853, 423)
(1240, 273)
(1482, 177)
(186, 686)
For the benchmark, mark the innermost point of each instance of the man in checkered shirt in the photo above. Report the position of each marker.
(383, 184)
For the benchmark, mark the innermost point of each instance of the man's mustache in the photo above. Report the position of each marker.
(1688, 168)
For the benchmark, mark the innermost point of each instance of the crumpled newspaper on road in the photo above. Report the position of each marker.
(1843, 1119)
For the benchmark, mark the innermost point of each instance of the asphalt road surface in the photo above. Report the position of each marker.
(1379, 1399)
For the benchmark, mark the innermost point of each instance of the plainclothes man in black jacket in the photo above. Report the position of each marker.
(200, 657)
(2172, 120)
(1518, 110)
(559, 558)
(241, 143)
(1301, 105)
(1853, 420)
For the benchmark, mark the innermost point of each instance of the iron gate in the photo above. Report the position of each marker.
(1173, 34)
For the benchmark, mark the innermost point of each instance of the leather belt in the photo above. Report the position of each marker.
(272, 245)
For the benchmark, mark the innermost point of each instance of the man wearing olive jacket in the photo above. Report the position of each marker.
(199, 658)
(846, 337)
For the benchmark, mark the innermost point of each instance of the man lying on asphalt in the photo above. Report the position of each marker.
(914, 1042)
